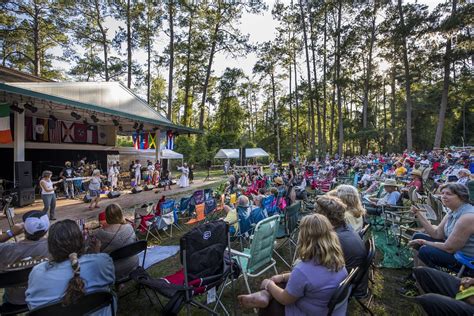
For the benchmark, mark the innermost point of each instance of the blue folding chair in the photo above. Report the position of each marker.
(269, 205)
(245, 225)
(210, 206)
(465, 261)
(184, 205)
(256, 215)
(198, 197)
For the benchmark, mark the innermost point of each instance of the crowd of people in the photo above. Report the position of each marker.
(348, 191)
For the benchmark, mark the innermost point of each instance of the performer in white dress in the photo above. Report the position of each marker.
(184, 180)
(113, 176)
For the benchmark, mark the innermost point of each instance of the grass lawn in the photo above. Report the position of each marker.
(387, 301)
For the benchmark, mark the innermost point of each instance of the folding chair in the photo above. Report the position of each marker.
(88, 304)
(126, 252)
(256, 215)
(205, 267)
(340, 297)
(268, 204)
(200, 215)
(164, 221)
(287, 230)
(362, 277)
(184, 205)
(12, 279)
(198, 197)
(257, 259)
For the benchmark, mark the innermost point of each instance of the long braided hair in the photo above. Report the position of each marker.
(65, 242)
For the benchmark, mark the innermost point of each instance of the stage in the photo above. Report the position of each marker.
(77, 209)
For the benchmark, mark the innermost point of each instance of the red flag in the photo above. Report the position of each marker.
(80, 133)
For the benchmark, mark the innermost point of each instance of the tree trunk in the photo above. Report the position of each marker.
(384, 118)
(103, 34)
(296, 105)
(129, 47)
(407, 79)
(365, 102)
(170, 74)
(36, 41)
(316, 91)
(208, 73)
(444, 95)
(276, 123)
(148, 71)
(338, 80)
(291, 115)
(308, 68)
(187, 106)
(324, 147)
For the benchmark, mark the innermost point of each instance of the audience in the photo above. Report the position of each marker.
(116, 234)
(437, 246)
(390, 198)
(35, 226)
(307, 289)
(70, 274)
(440, 290)
(355, 211)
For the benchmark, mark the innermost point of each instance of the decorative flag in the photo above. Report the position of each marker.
(136, 140)
(54, 131)
(67, 132)
(5, 132)
(169, 140)
(92, 134)
(102, 133)
(80, 133)
(144, 140)
(40, 129)
(151, 141)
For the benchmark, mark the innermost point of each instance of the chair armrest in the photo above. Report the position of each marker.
(238, 253)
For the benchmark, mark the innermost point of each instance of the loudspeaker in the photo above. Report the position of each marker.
(242, 157)
(149, 187)
(208, 164)
(23, 174)
(113, 194)
(137, 189)
(25, 196)
(87, 198)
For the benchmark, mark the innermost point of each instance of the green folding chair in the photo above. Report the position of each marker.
(257, 259)
(288, 231)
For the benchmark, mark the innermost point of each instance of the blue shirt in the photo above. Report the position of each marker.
(313, 285)
(48, 281)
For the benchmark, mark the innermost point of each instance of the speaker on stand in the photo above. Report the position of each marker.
(208, 165)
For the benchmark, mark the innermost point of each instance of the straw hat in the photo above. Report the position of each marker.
(390, 183)
(416, 172)
(278, 180)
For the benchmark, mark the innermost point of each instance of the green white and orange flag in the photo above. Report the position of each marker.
(5, 132)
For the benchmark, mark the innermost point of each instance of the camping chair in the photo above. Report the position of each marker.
(143, 216)
(184, 205)
(268, 205)
(362, 275)
(245, 225)
(125, 252)
(89, 303)
(210, 206)
(466, 262)
(340, 297)
(257, 259)
(12, 279)
(287, 230)
(198, 197)
(200, 215)
(256, 215)
(205, 268)
(397, 221)
(163, 221)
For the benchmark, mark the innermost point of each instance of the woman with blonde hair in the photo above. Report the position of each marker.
(354, 210)
(308, 288)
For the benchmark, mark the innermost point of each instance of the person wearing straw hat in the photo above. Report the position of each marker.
(415, 182)
(464, 176)
(391, 197)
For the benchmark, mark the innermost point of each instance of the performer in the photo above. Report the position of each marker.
(47, 193)
(113, 176)
(150, 169)
(191, 174)
(68, 172)
(95, 184)
(156, 173)
(138, 172)
(183, 180)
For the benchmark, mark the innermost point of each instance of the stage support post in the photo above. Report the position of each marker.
(19, 140)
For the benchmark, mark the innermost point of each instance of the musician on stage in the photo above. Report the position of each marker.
(48, 194)
(35, 226)
(138, 172)
(113, 175)
(68, 172)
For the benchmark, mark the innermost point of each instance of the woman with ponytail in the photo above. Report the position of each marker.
(70, 273)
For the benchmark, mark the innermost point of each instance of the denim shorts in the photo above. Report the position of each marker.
(94, 193)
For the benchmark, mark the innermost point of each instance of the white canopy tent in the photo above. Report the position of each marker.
(169, 154)
(234, 153)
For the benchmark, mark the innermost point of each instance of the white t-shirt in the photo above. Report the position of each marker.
(49, 185)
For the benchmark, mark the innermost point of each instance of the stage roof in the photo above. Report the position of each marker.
(110, 98)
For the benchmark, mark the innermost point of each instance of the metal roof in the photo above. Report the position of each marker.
(111, 98)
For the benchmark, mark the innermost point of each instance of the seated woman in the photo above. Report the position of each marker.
(437, 246)
(70, 274)
(355, 211)
(308, 288)
(115, 235)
